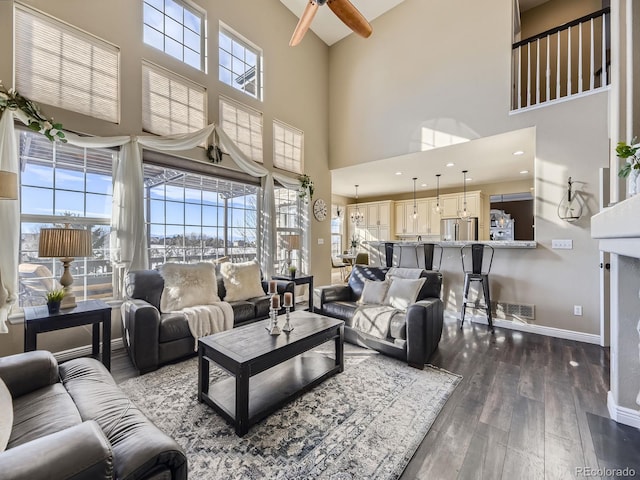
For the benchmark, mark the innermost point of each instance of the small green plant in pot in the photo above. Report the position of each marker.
(54, 297)
(292, 271)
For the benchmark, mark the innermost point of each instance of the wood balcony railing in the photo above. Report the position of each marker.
(564, 61)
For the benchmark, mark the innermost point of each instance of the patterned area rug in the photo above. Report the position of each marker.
(366, 422)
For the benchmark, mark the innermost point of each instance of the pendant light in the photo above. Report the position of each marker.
(357, 217)
(415, 209)
(464, 213)
(437, 209)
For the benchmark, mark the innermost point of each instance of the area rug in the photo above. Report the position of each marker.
(363, 423)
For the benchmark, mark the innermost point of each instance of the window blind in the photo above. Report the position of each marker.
(170, 103)
(60, 65)
(287, 147)
(243, 124)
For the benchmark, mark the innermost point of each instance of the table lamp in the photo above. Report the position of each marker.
(8, 185)
(293, 243)
(65, 244)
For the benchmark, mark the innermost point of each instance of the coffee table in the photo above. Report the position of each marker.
(280, 368)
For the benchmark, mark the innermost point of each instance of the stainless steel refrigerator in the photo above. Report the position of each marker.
(452, 229)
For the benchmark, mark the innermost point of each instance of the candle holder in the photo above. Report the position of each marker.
(273, 324)
(287, 324)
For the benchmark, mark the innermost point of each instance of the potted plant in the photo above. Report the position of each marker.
(54, 297)
(292, 271)
(631, 167)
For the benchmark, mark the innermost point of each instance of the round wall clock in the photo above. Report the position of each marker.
(320, 210)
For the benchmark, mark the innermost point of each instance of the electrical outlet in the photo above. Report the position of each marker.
(577, 310)
(562, 244)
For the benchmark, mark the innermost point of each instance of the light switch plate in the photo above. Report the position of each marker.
(562, 244)
(321, 241)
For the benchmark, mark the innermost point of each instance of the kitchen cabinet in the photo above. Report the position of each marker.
(376, 224)
(426, 222)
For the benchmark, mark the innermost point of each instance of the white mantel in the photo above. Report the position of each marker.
(618, 230)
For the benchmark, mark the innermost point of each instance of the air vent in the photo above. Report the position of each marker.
(517, 310)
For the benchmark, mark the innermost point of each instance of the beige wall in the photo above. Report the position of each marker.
(417, 70)
(295, 85)
(555, 13)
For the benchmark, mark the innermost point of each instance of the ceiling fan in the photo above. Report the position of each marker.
(343, 9)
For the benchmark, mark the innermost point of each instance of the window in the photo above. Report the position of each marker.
(288, 229)
(62, 66)
(336, 235)
(287, 147)
(62, 183)
(192, 217)
(240, 63)
(177, 29)
(170, 103)
(244, 126)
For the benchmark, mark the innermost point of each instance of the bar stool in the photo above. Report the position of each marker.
(475, 268)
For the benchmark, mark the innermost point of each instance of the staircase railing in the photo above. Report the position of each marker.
(564, 61)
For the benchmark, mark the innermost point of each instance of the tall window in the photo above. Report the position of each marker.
(336, 234)
(170, 103)
(64, 184)
(192, 217)
(244, 126)
(60, 65)
(240, 63)
(178, 29)
(288, 229)
(287, 147)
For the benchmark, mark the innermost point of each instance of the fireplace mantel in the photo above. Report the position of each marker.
(618, 230)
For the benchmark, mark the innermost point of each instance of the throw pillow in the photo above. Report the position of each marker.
(241, 280)
(6, 415)
(188, 285)
(374, 292)
(403, 292)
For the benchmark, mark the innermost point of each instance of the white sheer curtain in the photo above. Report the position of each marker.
(9, 223)
(128, 237)
(305, 224)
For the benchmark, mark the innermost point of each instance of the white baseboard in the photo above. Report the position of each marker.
(624, 415)
(84, 351)
(539, 329)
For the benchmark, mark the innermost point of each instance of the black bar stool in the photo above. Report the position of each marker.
(476, 268)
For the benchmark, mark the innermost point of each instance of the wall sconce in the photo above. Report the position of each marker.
(571, 205)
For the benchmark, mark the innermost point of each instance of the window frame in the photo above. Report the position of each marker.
(295, 132)
(280, 255)
(194, 10)
(247, 45)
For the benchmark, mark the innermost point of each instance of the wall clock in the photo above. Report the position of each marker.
(320, 210)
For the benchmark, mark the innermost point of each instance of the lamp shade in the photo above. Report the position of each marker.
(8, 185)
(64, 243)
(292, 241)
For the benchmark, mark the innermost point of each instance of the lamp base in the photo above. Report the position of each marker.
(68, 301)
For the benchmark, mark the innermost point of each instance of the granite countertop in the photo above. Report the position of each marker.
(458, 244)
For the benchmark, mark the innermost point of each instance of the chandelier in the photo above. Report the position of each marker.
(357, 216)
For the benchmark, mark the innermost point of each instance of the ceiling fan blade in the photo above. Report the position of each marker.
(351, 17)
(304, 23)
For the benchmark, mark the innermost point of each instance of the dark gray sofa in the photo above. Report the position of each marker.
(154, 338)
(73, 422)
(412, 337)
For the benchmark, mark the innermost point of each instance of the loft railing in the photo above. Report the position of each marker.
(562, 62)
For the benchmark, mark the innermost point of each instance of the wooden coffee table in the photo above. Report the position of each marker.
(281, 367)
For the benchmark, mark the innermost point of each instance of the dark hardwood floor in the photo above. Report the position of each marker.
(528, 406)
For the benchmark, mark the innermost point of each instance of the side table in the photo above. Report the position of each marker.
(38, 320)
(300, 280)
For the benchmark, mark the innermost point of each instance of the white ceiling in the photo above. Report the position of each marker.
(328, 27)
(488, 160)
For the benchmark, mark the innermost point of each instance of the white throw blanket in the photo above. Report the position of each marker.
(206, 320)
(401, 272)
(374, 319)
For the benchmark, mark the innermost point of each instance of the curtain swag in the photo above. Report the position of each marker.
(128, 234)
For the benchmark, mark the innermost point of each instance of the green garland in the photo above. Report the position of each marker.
(12, 100)
(305, 184)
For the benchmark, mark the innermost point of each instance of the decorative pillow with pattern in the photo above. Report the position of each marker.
(241, 280)
(6, 415)
(188, 285)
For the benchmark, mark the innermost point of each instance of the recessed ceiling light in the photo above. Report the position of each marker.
(398, 173)
(469, 179)
(524, 172)
(424, 184)
(450, 164)
(518, 152)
